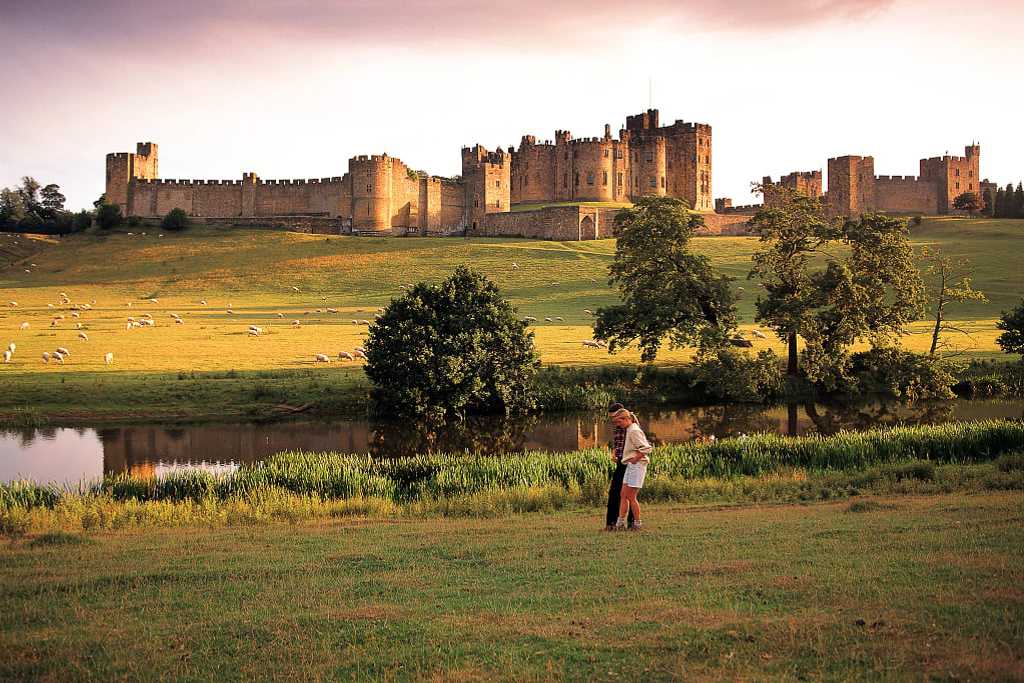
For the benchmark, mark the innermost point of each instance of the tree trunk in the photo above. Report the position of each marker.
(792, 369)
(937, 329)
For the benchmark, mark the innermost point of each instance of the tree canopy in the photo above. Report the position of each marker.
(451, 349)
(667, 291)
(1012, 324)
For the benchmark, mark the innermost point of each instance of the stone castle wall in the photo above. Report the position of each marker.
(905, 194)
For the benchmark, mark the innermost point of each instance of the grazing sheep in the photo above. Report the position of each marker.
(345, 355)
(559, 318)
(591, 343)
(360, 349)
(588, 311)
(148, 322)
(377, 316)
(147, 315)
(53, 323)
(12, 304)
(49, 305)
(529, 319)
(548, 320)
(515, 266)
(280, 315)
(129, 325)
(364, 322)
(62, 351)
(296, 323)
(321, 358)
(332, 310)
(11, 347)
(108, 358)
(230, 312)
(355, 322)
(359, 354)
(59, 357)
(7, 356)
(254, 328)
(759, 334)
(79, 326)
(83, 336)
(154, 301)
(46, 357)
(75, 315)
(254, 333)
(294, 288)
(179, 321)
(202, 302)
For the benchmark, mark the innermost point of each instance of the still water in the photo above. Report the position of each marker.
(71, 455)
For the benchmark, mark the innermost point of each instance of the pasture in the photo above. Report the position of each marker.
(272, 279)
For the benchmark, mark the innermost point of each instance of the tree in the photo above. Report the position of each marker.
(1000, 204)
(176, 219)
(82, 220)
(52, 199)
(1018, 201)
(12, 206)
(832, 283)
(666, 290)
(989, 203)
(1012, 324)
(1009, 203)
(29, 192)
(968, 201)
(948, 281)
(456, 348)
(109, 216)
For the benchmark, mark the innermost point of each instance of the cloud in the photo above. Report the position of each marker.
(141, 27)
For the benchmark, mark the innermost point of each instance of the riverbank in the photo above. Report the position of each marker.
(906, 587)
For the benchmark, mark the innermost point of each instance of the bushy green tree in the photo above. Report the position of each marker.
(832, 282)
(108, 216)
(176, 219)
(451, 349)
(82, 220)
(736, 376)
(1018, 201)
(667, 291)
(968, 201)
(1012, 324)
(52, 199)
(12, 207)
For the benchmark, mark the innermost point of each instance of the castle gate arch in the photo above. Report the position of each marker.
(588, 229)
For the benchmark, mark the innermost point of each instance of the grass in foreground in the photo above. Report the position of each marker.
(901, 588)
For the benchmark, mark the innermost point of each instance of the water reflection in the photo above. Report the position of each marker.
(70, 455)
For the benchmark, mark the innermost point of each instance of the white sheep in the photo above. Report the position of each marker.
(588, 311)
(230, 312)
(108, 358)
(280, 315)
(345, 355)
(179, 321)
(559, 318)
(296, 323)
(529, 319)
(321, 358)
(332, 310)
(149, 322)
(759, 334)
(79, 326)
(12, 304)
(360, 349)
(202, 302)
(59, 357)
(591, 343)
(548, 320)
(54, 323)
(62, 351)
(154, 301)
(46, 357)
(83, 336)
(147, 315)
(7, 356)
(515, 266)
(129, 325)
(359, 353)
(294, 288)
(76, 315)
(254, 333)
(11, 347)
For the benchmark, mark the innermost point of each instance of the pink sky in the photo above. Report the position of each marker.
(292, 89)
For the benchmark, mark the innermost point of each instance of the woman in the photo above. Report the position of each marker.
(635, 455)
(615, 490)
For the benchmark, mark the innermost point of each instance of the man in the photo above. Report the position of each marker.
(615, 491)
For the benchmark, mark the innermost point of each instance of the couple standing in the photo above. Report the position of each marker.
(630, 451)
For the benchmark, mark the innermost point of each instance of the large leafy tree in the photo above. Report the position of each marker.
(968, 201)
(948, 281)
(452, 349)
(832, 282)
(52, 199)
(1012, 325)
(667, 291)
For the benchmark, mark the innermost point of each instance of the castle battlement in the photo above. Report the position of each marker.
(897, 179)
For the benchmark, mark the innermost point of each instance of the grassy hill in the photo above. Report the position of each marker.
(254, 272)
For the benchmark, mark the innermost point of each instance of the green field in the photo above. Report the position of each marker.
(166, 370)
(891, 588)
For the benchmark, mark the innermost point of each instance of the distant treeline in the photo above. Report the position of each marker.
(32, 207)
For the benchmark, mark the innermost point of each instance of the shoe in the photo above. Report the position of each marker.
(636, 528)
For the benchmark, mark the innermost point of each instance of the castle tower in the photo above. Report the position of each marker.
(124, 167)
(851, 185)
(370, 178)
(487, 177)
(953, 176)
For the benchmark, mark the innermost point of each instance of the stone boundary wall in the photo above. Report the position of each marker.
(725, 224)
(310, 225)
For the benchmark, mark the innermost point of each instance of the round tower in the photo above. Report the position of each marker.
(371, 191)
(594, 178)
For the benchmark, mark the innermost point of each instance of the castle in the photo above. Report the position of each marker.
(381, 194)
(853, 187)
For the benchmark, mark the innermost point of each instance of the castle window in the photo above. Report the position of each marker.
(605, 178)
(958, 184)
(670, 163)
(590, 178)
(565, 180)
(606, 154)
(526, 180)
(619, 179)
(498, 203)
(958, 173)
(369, 187)
(654, 181)
(970, 174)
(476, 201)
(663, 181)
(497, 183)
(970, 186)
(650, 157)
(576, 179)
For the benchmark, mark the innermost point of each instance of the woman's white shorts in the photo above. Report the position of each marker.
(635, 473)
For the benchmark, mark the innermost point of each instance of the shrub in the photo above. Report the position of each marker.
(82, 220)
(134, 221)
(455, 348)
(176, 219)
(108, 216)
(1012, 324)
(894, 373)
(732, 375)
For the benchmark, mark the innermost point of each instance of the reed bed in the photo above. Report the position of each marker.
(440, 477)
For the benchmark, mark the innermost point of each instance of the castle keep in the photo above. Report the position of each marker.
(380, 193)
